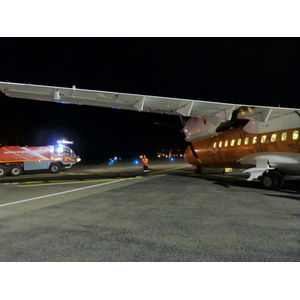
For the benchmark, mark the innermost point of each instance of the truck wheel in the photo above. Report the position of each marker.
(54, 168)
(15, 170)
(3, 171)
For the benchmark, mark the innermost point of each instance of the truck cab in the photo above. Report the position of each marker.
(65, 155)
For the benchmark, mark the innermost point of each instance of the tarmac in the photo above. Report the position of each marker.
(115, 213)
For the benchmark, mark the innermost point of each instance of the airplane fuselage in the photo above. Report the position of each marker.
(235, 148)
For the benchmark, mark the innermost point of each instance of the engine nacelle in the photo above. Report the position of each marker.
(200, 128)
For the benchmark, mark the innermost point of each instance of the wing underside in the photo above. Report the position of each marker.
(142, 103)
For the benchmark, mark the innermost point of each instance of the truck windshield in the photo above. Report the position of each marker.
(60, 150)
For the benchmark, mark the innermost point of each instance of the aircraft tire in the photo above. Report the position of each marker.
(15, 170)
(198, 170)
(3, 171)
(272, 180)
(54, 168)
(280, 179)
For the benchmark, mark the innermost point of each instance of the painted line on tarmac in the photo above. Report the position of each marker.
(165, 170)
(180, 167)
(61, 183)
(57, 194)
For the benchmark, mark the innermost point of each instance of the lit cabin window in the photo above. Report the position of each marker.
(215, 145)
(273, 138)
(295, 135)
(263, 139)
(220, 144)
(284, 136)
(254, 140)
(239, 142)
(226, 144)
(246, 141)
(232, 143)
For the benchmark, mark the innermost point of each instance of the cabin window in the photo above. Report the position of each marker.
(284, 136)
(295, 135)
(226, 144)
(239, 142)
(220, 144)
(232, 143)
(273, 138)
(263, 139)
(215, 145)
(254, 140)
(246, 141)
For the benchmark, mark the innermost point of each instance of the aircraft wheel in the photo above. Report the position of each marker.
(272, 180)
(198, 170)
(3, 171)
(15, 170)
(54, 168)
(280, 180)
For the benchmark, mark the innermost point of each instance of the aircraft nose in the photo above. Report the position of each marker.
(189, 156)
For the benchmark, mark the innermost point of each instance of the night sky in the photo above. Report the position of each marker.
(263, 71)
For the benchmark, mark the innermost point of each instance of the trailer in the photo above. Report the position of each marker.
(14, 159)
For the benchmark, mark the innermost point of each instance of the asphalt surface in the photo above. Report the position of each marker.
(102, 213)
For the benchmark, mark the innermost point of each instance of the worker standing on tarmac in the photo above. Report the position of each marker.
(145, 162)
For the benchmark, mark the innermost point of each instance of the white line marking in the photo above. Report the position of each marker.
(180, 167)
(56, 194)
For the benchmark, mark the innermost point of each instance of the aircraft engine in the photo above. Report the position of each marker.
(200, 128)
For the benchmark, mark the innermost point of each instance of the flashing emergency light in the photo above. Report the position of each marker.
(60, 149)
(112, 160)
(64, 142)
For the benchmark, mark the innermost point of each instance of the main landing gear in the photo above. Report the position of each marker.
(272, 180)
(197, 170)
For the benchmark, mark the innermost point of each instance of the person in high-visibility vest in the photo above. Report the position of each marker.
(145, 162)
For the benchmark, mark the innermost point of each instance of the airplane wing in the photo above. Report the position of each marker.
(142, 103)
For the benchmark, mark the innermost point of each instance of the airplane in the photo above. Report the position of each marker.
(264, 141)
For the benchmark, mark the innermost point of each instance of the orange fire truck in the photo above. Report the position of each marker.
(14, 159)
